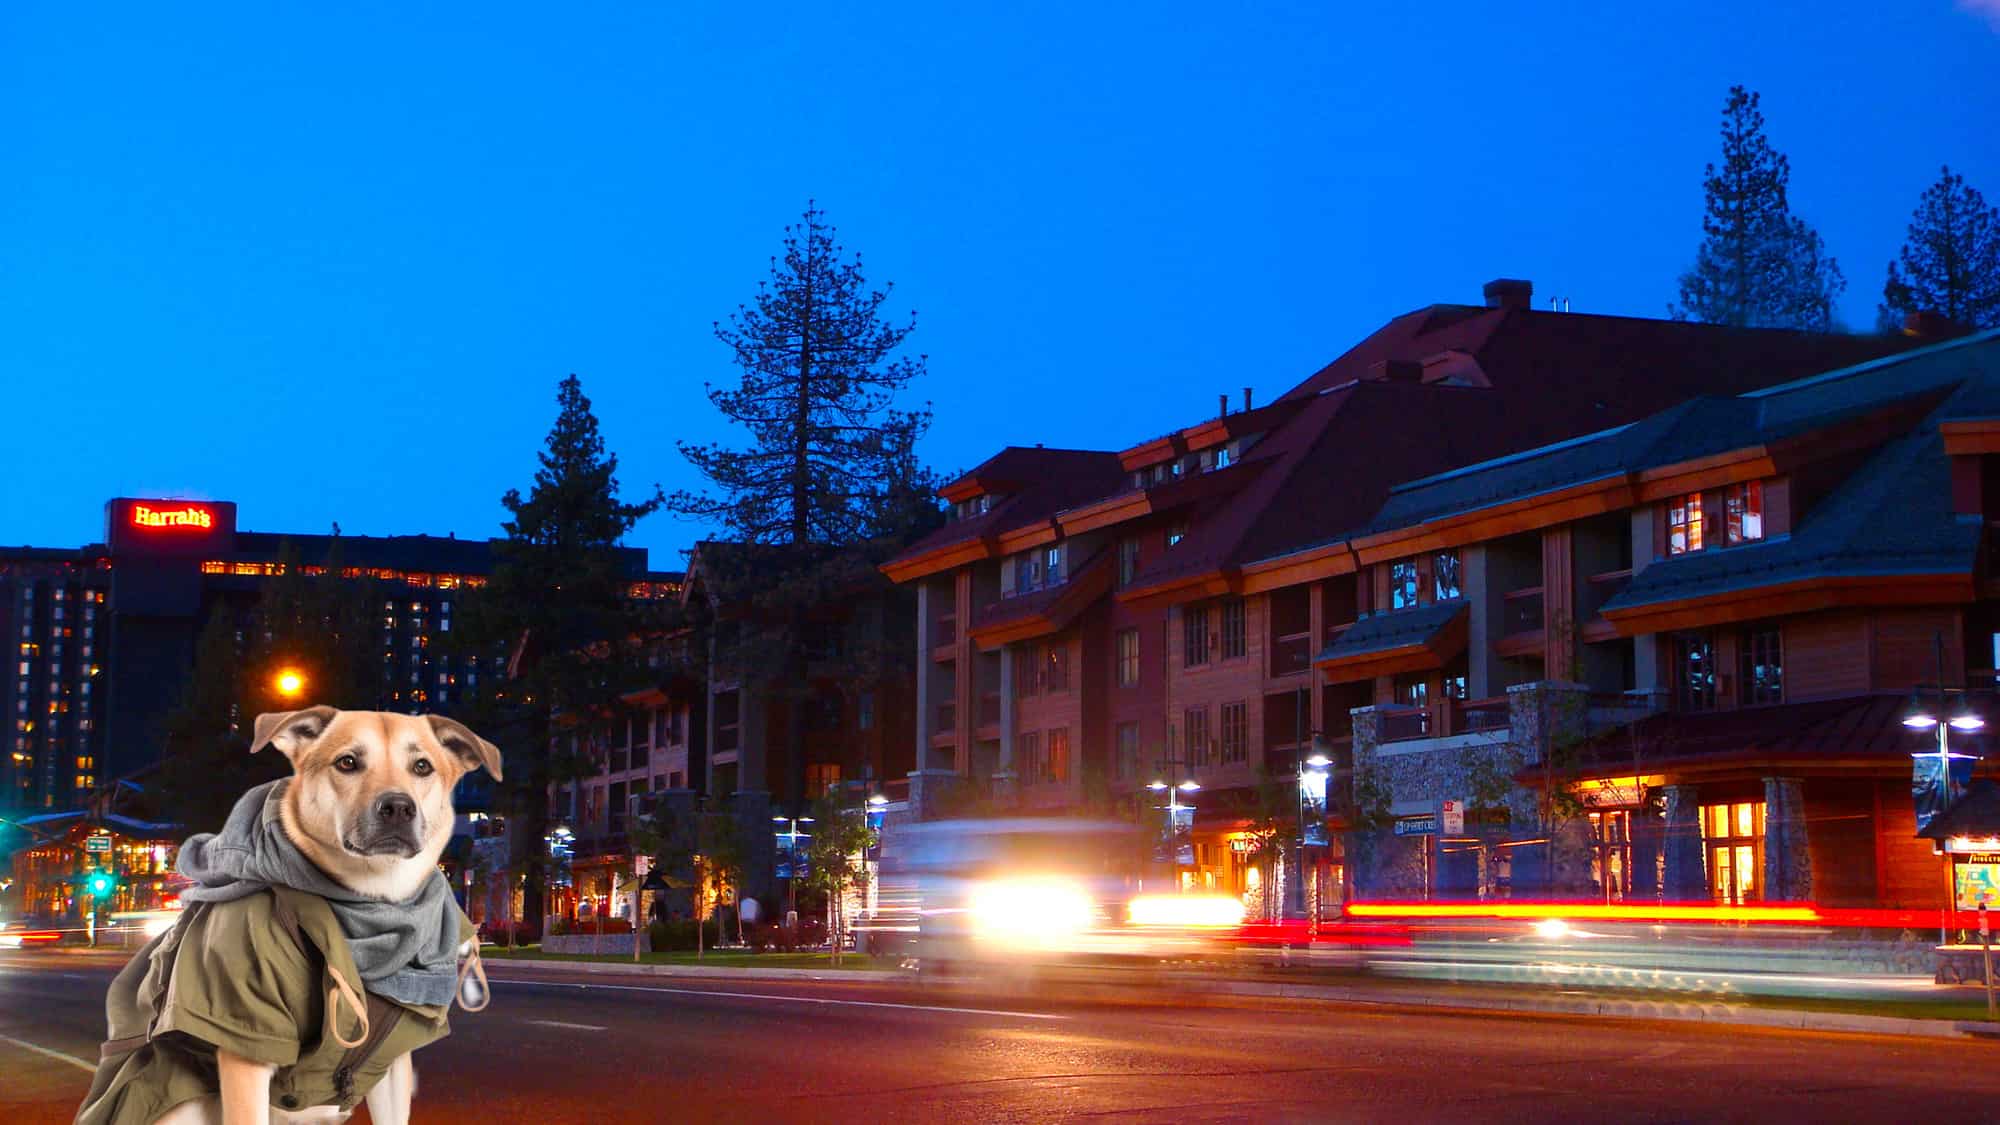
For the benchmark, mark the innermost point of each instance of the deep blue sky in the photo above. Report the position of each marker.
(332, 267)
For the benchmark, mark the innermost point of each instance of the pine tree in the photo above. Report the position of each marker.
(820, 374)
(828, 485)
(1759, 265)
(1950, 264)
(557, 598)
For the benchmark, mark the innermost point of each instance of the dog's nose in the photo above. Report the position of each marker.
(395, 808)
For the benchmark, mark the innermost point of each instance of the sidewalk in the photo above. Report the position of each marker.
(1181, 989)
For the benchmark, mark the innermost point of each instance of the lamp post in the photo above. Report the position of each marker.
(288, 683)
(1963, 720)
(1173, 785)
(791, 836)
(1313, 771)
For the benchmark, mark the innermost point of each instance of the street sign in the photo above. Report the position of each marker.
(1451, 817)
(1425, 825)
(97, 845)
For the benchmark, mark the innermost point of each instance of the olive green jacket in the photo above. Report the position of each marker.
(267, 977)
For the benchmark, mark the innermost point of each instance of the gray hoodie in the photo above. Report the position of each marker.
(406, 951)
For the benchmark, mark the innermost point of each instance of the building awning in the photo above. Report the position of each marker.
(1854, 733)
(1404, 640)
(1973, 817)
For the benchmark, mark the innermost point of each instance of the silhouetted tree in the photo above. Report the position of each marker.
(1759, 265)
(1950, 264)
(558, 596)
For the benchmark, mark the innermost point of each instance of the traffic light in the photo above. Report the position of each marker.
(99, 884)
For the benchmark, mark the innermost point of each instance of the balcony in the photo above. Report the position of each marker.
(1601, 588)
(1291, 654)
(947, 716)
(1448, 717)
(1521, 623)
(989, 709)
(945, 631)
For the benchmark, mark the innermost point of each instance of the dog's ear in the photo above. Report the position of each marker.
(291, 731)
(473, 750)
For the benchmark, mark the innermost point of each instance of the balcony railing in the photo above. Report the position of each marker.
(946, 630)
(1400, 724)
(947, 716)
(1601, 588)
(1522, 611)
(1448, 717)
(989, 708)
(1291, 654)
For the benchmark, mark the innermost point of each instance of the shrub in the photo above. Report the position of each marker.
(671, 936)
(494, 932)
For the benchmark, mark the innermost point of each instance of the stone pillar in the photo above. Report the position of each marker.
(1787, 858)
(1686, 878)
(1643, 881)
(1369, 840)
(927, 788)
(926, 719)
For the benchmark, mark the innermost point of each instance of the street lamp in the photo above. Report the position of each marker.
(289, 682)
(1313, 772)
(1921, 717)
(791, 836)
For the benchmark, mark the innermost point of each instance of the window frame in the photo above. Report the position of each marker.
(1128, 657)
(1234, 627)
(1742, 503)
(1687, 698)
(1196, 651)
(1761, 646)
(1687, 525)
(1405, 584)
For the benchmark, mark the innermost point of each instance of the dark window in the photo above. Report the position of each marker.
(1763, 675)
(1052, 568)
(1446, 581)
(1027, 682)
(1744, 506)
(1235, 733)
(1402, 584)
(1028, 763)
(1128, 561)
(1232, 629)
(1194, 636)
(1127, 763)
(1455, 687)
(1413, 691)
(1684, 524)
(1128, 657)
(1056, 659)
(1195, 729)
(1694, 672)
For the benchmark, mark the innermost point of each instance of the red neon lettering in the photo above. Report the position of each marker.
(142, 516)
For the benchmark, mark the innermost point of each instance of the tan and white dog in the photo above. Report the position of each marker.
(370, 805)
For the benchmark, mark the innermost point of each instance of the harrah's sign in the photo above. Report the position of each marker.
(188, 515)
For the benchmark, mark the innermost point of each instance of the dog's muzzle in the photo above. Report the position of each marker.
(390, 828)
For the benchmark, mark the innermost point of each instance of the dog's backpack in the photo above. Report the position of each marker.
(267, 977)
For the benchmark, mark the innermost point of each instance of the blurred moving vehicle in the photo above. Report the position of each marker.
(20, 935)
(1022, 891)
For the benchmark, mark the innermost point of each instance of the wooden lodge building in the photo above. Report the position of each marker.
(1486, 542)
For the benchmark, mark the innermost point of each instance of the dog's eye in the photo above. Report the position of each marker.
(347, 763)
(421, 767)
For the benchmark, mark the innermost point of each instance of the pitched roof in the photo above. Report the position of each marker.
(1380, 632)
(1042, 482)
(1849, 727)
(1976, 813)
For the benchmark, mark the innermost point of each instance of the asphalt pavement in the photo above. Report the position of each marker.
(559, 1048)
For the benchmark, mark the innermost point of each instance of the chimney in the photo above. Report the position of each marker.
(1922, 325)
(1509, 293)
(1246, 400)
(1222, 406)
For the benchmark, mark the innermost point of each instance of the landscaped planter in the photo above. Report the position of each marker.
(605, 945)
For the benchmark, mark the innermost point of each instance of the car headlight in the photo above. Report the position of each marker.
(1194, 910)
(1030, 910)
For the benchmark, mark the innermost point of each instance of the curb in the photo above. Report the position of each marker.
(698, 972)
(1671, 1011)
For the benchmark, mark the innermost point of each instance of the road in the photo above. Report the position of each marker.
(647, 1049)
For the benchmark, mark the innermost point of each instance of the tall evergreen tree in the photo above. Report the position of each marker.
(557, 598)
(828, 482)
(1950, 264)
(1759, 265)
(820, 375)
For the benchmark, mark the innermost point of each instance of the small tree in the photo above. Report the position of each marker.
(720, 865)
(1274, 832)
(1950, 264)
(840, 839)
(1759, 266)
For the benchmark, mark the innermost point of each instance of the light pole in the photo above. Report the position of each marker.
(1314, 770)
(289, 683)
(791, 836)
(1173, 785)
(1921, 717)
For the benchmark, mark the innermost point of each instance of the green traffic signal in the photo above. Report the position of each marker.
(99, 884)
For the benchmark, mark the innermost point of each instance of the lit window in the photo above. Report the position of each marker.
(1052, 570)
(1176, 531)
(1684, 524)
(1734, 839)
(1402, 584)
(1744, 506)
(1446, 580)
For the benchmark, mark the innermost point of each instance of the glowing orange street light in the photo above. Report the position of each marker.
(289, 683)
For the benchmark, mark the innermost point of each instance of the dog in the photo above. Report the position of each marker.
(369, 804)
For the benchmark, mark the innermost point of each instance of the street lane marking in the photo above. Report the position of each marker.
(56, 1055)
(570, 1026)
(789, 999)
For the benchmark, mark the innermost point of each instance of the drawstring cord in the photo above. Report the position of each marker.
(470, 965)
(342, 991)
